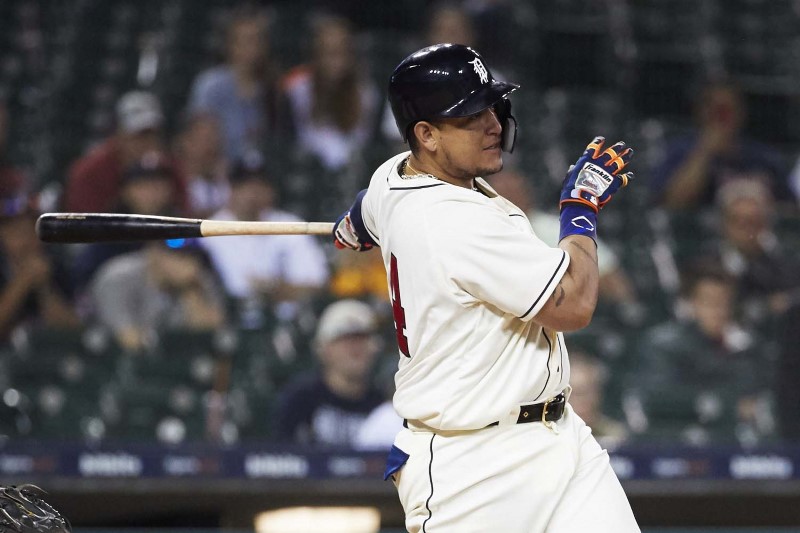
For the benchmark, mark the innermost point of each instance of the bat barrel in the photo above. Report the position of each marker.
(111, 227)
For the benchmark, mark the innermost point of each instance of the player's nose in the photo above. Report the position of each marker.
(493, 126)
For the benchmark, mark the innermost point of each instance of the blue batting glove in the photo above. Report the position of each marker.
(595, 177)
(590, 184)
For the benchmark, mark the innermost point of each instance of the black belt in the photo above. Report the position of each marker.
(550, 411)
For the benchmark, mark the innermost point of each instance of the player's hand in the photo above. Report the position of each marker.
(345, 236)
(595, 178)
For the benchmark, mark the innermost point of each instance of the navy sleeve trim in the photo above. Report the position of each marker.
(358, 221)
(546, 287)
(417, 187)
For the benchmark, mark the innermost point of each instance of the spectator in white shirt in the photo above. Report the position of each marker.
(276, 270)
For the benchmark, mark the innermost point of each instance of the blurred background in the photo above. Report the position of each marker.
(242, 383)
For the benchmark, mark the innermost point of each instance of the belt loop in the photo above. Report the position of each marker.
(567, 392)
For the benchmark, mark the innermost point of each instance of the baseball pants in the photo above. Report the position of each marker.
(514, 478)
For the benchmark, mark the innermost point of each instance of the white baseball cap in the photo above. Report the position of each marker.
(345, 317)
(138, 111)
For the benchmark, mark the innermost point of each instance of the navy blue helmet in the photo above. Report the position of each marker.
(448, 80)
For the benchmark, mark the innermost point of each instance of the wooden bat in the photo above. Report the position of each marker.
(110, 227)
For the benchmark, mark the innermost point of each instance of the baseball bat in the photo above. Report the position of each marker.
(113, 227)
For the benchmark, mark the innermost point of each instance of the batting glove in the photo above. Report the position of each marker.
(595, 177)
(349, 231)
(345, 236)
(590, 184)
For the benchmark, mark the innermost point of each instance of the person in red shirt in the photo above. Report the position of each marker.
(94, 180)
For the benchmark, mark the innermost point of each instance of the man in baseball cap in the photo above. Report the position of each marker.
(149, 186)
(342, 319)
(94, 180)
(328, 406)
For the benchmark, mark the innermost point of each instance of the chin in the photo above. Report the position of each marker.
(490, 169)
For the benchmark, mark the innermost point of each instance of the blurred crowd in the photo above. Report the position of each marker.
(700, 349)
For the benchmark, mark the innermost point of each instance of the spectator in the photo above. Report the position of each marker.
(382, 425)
(615, 286)
(146, 188)
(695, 166)
(199, 150)
(697, 378)
(34, 288)
(94, 180)
(788, 393)
(241, 92)
(280, 269)
(768, 276)
(328, 406)
(165, 285)
(333, 105)
(588, 378)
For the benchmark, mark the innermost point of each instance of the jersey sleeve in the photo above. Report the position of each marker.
(493, 259)
(369, 214)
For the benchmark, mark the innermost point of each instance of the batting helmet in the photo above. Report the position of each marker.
(448, 80)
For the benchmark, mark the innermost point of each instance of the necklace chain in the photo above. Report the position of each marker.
(409, 167)
(417, 174)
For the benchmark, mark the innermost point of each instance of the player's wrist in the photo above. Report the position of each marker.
(578, 218)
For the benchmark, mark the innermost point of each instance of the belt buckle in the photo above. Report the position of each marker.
(547, 423)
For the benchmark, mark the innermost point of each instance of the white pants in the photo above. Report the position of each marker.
(519, 478)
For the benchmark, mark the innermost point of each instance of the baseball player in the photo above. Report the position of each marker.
(479, 304)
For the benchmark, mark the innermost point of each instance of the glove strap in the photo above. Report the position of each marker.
(578, 219)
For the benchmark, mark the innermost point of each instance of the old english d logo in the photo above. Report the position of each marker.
(480, 70)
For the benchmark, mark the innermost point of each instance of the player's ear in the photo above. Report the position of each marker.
(425, 133)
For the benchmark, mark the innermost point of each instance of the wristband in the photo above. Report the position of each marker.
(577, 219)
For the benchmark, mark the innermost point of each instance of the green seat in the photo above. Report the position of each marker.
(160, 410)
(61, 411)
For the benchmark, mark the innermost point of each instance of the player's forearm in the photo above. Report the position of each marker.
(573, 301)
(581, 282)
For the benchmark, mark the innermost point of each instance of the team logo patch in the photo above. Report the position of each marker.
(593, 179)
(480, 70)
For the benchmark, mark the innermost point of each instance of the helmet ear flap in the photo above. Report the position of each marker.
(508, 138)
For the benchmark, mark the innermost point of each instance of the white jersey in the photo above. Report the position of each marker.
(466, 275)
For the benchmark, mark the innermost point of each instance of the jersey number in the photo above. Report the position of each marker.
(397, 309)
